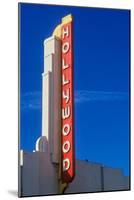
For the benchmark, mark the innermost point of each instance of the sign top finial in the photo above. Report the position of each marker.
(67, 19)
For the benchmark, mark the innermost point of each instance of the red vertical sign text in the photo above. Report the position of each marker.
(67, 135)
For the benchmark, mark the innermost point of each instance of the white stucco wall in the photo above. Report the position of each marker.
(87, 178)
(111, 182)
(40, 176)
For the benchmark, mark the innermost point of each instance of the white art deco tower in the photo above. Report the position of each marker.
(51, 98)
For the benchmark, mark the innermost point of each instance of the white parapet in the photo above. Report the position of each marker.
(39, 177)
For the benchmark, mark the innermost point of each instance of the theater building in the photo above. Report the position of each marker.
(52, 167)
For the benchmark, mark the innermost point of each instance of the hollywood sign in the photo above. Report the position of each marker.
(67, 137)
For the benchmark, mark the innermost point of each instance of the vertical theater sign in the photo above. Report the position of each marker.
(64, 32)
(67, 138)
(57, 138)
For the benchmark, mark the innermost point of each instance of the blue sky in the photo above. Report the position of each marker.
(101, 79)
